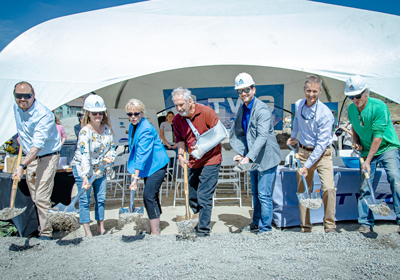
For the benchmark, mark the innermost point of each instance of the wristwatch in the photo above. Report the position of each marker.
(180, 154)
(23, 166)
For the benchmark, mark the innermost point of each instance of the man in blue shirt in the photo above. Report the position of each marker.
(253, 138)
(41, 144)
(314, 120)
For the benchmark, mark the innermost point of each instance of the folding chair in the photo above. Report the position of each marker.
(117, 178)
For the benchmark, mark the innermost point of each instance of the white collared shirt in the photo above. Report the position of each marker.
(37, 128)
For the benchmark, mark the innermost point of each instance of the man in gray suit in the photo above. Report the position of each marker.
(253, 138)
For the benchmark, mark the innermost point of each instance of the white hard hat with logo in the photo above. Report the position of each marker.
(243, 80)
(94, 103)
(355, 85)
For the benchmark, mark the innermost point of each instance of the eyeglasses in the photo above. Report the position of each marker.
(361, 121)
(246, 90)
(358, 96)
(23, 95)
(133, 114)
(97, 113)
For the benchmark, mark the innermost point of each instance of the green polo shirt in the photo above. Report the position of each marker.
(377, 124)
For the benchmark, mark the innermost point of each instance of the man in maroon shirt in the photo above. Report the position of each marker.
(203, 173)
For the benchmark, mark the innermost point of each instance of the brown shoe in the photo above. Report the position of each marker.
(398, 230)
(364, 229)
(330, 230)
(308, 230)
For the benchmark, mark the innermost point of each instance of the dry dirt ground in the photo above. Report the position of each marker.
(228, 254)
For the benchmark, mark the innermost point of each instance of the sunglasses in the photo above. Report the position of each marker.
(246, 90)
(133, 114)
(23, 95)
(97, 113)
(358, 96)
(361, 121)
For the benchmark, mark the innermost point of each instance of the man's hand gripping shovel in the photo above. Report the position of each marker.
(307, 199)
(377, 206)
(11, 212)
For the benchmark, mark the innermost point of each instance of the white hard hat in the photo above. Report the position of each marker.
(355, 85)
(94, 103)
(243, 80)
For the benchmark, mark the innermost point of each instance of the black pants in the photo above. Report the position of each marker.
(202, 184)
(151, 193)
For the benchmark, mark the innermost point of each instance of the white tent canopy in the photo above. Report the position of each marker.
(163, 44)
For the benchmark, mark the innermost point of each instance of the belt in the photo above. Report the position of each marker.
(309, 149)
(47, 155)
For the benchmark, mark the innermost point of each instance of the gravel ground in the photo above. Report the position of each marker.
(278, 255)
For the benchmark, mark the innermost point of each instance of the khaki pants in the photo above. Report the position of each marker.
(324, 167)
(40, 179)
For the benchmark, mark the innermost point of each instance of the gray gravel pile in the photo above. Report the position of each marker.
(278, 255)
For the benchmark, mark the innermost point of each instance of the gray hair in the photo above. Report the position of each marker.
(313, 79)
(135, 103)
(186, 93)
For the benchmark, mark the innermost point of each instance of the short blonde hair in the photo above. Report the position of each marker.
(135, 103)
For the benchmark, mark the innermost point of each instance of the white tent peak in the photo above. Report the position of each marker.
(163, 44)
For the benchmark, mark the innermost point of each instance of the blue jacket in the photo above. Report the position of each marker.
(146, 151)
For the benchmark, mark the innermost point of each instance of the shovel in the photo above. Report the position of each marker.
(62, 217)
(188, 221)
(251, 166)
(131, 214)
(12, 212)
(307, 199)
(377, 206)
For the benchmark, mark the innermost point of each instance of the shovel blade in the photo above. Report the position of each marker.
(135, 210)
(59, 207)
(302, 196)
(313, 201)
(246, 167)
(10, 213)
(380, 207)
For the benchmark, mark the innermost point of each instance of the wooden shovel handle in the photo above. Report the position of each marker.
(186, 186)
(15, 182)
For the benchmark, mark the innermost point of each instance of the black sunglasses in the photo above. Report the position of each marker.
(23, 95)
(358, 96)
(133, 114)
(97, 113)
(246, 90)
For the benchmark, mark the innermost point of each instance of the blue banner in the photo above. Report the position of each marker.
(225, 101)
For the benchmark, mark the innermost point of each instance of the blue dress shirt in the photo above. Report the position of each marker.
(315, 126)
(36, 128)
(246, 115)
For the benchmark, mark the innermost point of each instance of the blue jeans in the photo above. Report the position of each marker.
(202, 184)
(99, 188)
(390, 162)
(261, 190)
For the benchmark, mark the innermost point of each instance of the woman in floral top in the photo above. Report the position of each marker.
(95, 148)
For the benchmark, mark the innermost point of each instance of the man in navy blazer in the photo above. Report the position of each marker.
(253, 138)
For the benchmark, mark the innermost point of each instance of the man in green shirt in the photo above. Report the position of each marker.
(375, 137)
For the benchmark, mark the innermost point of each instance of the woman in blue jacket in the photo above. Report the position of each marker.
(147, 160)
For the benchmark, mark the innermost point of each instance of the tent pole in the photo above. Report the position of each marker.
(121, 89)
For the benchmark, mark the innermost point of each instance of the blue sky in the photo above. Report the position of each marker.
(17, 16)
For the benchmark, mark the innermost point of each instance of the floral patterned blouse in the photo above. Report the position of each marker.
(92, 148)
